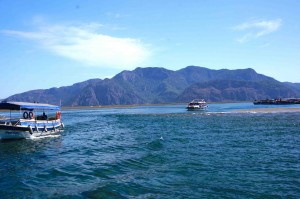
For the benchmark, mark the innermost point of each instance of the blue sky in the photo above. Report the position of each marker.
(54, 43)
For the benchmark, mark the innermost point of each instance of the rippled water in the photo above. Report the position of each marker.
(158, 152)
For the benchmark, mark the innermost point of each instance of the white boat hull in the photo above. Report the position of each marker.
(9, 135)
(30, 129)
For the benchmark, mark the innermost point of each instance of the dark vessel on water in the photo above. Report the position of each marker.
(279, 101)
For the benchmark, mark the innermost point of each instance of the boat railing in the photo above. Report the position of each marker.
(9, 123)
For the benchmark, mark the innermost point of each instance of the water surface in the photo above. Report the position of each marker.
(159, 152)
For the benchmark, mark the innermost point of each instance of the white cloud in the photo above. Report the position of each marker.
(85, 44)
(257, 29)
(116, 15)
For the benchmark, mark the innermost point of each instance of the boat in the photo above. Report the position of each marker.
(25, 123)
(197, 104)
(279, 101)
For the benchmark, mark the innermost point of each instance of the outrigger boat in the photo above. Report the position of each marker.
(197, 104)
(27, 125)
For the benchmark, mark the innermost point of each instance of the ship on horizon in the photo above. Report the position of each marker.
(278, 101)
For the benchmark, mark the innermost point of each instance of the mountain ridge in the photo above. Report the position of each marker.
(155, 85)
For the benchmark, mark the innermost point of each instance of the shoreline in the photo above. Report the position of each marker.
(258, 110)
(268, 110)
(137, 105)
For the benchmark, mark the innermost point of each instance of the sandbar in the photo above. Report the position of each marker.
(268, 110)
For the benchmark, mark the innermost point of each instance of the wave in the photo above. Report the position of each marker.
(45, 136)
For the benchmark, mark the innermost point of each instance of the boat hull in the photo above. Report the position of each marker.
(196, 108)
(288, 101)
(14, 134)
(29, 131)
(8, 135)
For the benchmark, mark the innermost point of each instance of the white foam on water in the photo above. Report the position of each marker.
(44, 136)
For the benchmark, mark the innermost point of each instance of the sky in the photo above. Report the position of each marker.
(54, 43)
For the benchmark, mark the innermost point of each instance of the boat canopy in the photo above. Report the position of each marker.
(27, 106)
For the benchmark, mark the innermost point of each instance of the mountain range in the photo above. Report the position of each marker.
(159, 85)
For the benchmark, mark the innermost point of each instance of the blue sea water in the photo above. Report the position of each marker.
(159, 152)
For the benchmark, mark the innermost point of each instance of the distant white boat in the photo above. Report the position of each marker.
(197, 104)
(28, 125)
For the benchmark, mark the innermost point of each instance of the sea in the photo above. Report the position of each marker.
(231, 150)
